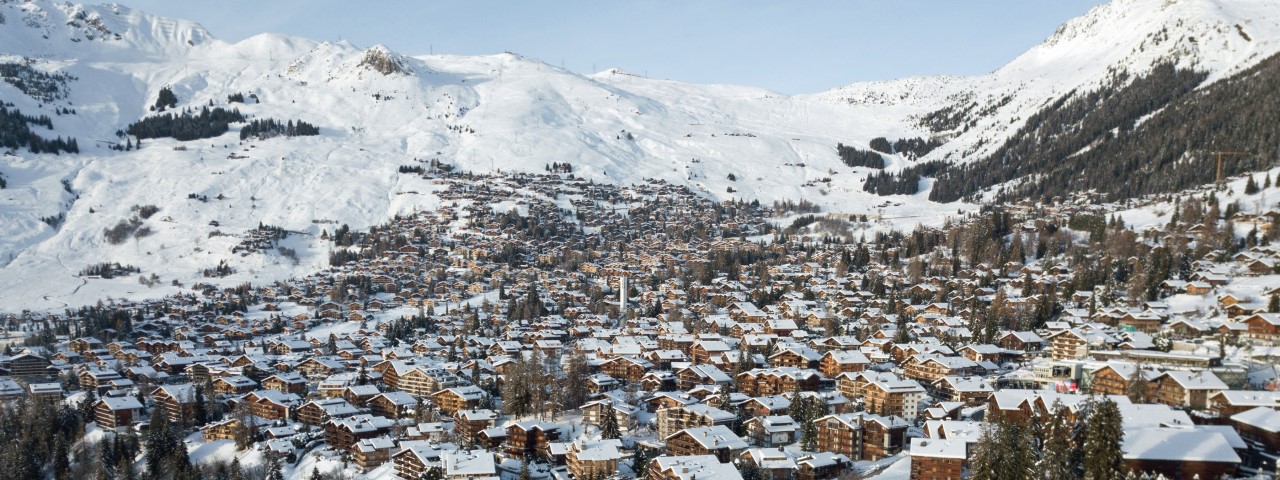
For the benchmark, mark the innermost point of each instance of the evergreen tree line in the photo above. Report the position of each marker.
(165, 100)
(36, 435)
(854, 157)
(240, 98)
(534, 385)
(1053, 141)
(415, 169)
(264, 129)
(1063, 446)
(208, 123)
(41, 86)
(15, 132)
(109, 270)
(911, 148)
(906, 182)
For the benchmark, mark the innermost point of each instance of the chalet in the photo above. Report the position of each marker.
(1068, 344)
(317, 412)
(116, 412)
(28, 365)
(359, 395)
(717, 440)
(1165, 451)
(673, 419)
(392, 404)
(50, 391)
(938, 459)
(469, 464)
(772, 431)
(593, 412)
(702, 351)
(98, 379)
(897, 397)
(469, 423)
(930, 368)
(1114, 378)
(821, 466)
(597, 459)
(773, 381)
(796, 357)
(659, 381)
(286, 382)
(458, 398)
(414, 458)
(371, 453)
(178, 402)
(1263, 326)
(972, 391)
(1178, 388)
(687, 378)
(1226, 403)
(234, 385)
(1260, 426)
(530, 439)
(668, 467)
(861, 436)
(222, 430)
(766, 405)
(835, 362)
(342, 433)
(272, 404)
(316, 367)
(631, 369)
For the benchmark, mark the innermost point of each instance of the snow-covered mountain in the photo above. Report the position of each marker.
(1221, 37)
(378, 109)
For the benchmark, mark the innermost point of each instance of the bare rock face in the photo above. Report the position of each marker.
(383, 61)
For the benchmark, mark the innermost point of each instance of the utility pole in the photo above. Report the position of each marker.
(1219, 156)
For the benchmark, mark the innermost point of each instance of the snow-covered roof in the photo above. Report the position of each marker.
(1260, 417)
(939, 448)
(1177, 444)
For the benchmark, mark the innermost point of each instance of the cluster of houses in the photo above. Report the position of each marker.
(704, 374)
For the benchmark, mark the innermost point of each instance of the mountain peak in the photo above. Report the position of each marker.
(60, 26)
(382, 60)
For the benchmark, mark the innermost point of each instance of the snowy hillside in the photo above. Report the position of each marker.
(1221, 37)
(378, 110)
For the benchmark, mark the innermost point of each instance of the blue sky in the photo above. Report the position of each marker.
(787, 46)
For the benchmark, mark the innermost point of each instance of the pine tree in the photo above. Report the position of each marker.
(161, 444)
(984, 463)
(1104, 431)
(576, 374)
(640, 461)
(609, 428)
(236, 471)
(1055, 460)
(1274, 305)
(201, 410)
(1139, 387)
(1006, 450)
(274, 469)
(432, 473)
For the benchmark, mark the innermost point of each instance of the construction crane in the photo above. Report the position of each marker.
(1219, 156)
